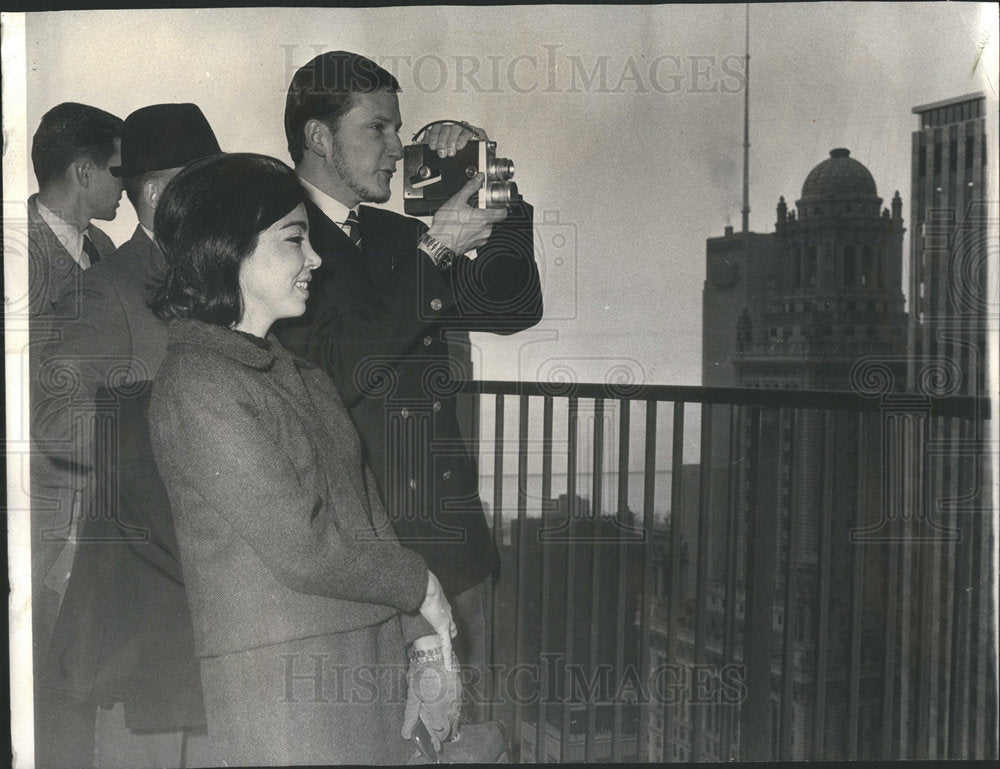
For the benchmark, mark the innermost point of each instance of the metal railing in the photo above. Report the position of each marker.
(820, 585)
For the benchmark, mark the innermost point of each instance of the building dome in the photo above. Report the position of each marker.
(839, 176)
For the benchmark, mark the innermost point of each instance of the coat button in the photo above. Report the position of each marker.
(427, 341)
(405, 413)
(413, 483)
(446, 474)
(435, 304)
(437, 405)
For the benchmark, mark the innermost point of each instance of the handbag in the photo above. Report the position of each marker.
(482, 743)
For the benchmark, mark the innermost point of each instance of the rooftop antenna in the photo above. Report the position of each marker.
(746, 130)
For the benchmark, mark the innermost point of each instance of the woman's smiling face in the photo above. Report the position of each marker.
(274, 279)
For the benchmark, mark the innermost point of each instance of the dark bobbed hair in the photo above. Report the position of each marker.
(207, 223)
(323, 89)
(68, 132)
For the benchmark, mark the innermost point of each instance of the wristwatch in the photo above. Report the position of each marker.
(440, 254)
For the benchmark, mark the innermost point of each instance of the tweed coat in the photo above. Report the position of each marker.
(376, 321)
(123, 633)
(102, 334)
(282, 540)
(124, 629)
(106, 336)
(51, 272)
(50, 267)
(272, 506)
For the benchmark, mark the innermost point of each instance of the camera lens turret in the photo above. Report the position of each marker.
(500, 169)
(503, 194)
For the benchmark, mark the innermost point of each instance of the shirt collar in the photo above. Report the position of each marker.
(149, 232)
(67, 234)
(332, 208)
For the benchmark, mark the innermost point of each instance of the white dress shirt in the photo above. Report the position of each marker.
(334, 210)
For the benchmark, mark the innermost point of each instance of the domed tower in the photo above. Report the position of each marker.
(840, 295)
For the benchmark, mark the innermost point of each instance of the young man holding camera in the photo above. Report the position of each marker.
(389, 289)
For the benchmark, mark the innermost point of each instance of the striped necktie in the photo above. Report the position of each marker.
(352, 228)
(91, 251)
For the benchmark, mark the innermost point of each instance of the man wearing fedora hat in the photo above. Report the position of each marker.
(123, 639)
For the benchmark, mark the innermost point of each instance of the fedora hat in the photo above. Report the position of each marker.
(164, 136)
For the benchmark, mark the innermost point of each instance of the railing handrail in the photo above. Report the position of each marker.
(959, 406)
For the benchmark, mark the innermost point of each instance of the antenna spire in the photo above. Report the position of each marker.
(746, 129)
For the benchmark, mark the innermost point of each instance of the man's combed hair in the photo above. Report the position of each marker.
(68, 132)
(322, 90)
(207, 223)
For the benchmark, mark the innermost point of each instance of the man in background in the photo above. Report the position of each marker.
(388, 291)
(71, 154)
(121, 667)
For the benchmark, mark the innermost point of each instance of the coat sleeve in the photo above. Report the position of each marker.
(211, 443)
(499, 291)
(413, 623)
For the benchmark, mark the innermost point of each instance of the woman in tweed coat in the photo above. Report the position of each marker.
(301, 598)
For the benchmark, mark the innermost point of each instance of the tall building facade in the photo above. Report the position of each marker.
(948, 249)
(799, 308)
(837, 297)
(838, 304)
(949, 355)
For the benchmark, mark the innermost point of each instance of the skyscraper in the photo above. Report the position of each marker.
(948, 249)
(836, 286)
(798, 309)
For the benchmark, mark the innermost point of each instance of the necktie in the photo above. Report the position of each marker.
(91, 250)
(352, 228)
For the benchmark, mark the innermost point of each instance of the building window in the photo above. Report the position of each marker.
(970, 150)
(922, 161)
(866, 265)
(849, 276)
(953, 155)
(810, 276)
(797, 267)
(937, 158)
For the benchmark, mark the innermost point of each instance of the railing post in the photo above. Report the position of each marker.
(572, 531)
(645, 627)
(673, 586)
(822, 613)
(756, 722)
(617, 754)
(596, 541)
(491, 638)
(520, 548)
(730, 710)
(701, 581)
(787, 420)
(547, 543)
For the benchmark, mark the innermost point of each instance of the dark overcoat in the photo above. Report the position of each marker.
(376, 321)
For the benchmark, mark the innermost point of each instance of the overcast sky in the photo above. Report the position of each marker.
(625, 125)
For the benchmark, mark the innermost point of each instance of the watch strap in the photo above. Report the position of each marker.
(440, 254)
